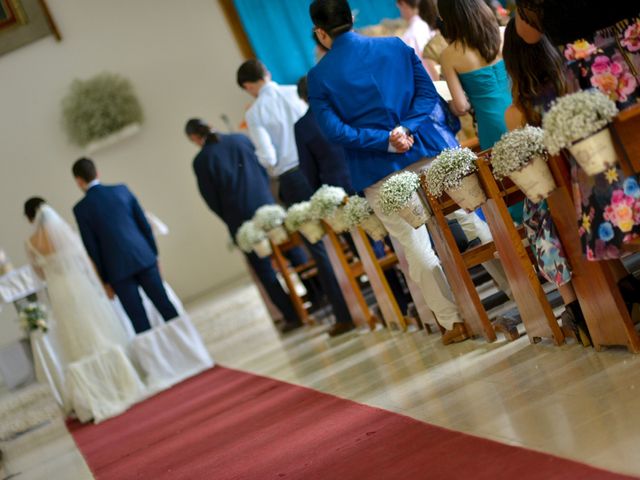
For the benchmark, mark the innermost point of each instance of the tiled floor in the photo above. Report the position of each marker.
(565, 400)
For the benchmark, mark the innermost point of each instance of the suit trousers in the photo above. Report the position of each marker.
(265, 272)
(294, 188)
(128, 292)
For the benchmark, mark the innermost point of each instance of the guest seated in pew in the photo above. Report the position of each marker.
(387, 119)
(604, 38)
(537, 77)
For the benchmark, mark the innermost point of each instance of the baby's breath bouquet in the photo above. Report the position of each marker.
(299, 218)
(34, 317)
(521, 155)
(453, 172)
(270, 218)
(358, 212)
(399, 195)
(578, 122)
(326, 201)
(251, 238)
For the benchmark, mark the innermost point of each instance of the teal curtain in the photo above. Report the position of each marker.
(280, 31)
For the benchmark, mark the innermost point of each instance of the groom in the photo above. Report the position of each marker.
(118, 239)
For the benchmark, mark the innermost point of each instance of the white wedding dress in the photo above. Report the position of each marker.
(98, 380)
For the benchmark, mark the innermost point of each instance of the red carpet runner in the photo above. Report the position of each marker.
(226, 424)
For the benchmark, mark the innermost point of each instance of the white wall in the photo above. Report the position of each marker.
(181, 58)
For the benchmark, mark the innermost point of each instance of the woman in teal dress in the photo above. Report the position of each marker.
(474, 70)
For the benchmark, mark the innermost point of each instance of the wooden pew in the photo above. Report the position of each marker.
(626, 131)
(347, 274)
(604, 309)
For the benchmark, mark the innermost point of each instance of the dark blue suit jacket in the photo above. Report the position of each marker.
(365, 87)
(322, 162)
(115, 232)
(230, 179)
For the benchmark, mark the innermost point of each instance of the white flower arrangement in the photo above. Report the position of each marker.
(248, 235)
(34, 317)
(356, 211)
(397, 191)
(269, 217)
(325, 201)
(515, 150)
(297, 215)
(576, 116)
(449, 168)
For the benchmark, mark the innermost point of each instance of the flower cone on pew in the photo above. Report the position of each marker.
(299, 218)
(327, 204)
(399, 195)
(454, 172)
(270, 218)
(250, 238)
(358, 212)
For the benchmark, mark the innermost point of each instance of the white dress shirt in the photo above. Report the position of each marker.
(270, 120)
(417, 35)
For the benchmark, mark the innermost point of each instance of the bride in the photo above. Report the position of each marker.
(100, 381)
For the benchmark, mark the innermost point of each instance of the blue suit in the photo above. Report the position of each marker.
(357, 103)
(322, 162)
(119, 240)
(234, 185)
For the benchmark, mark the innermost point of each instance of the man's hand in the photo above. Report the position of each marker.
(109, 291)
(399, 141)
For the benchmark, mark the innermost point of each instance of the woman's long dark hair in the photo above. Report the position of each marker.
(473, 24)
(428, 11)
(532, 68)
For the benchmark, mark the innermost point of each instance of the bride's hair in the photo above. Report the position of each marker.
(32, 206)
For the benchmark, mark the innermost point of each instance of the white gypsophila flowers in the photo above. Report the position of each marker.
(326, 200)
(297, 215)
(515, 149)
(248, 235)
(356, 211)
(576, 116)
(269, 217)
(397, 190)
(449, 168)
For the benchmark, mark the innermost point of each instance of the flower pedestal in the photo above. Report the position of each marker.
(534, 179)
(469, 194)
(595, 153)
(414, 212)
(374, 228)
(312, 231)
(278, 235)
(262, 248)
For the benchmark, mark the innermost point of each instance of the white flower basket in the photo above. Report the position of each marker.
(595, 153)
(470, 194)
(262, 248)
(534, 179)
(278, 235)
(414, 212)
(337, 221)
(374, 227)
(312, 231)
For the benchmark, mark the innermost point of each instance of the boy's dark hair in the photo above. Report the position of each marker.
(32, 206)
(303, 90)
(250, 71)
(333, 16)
(85, 169)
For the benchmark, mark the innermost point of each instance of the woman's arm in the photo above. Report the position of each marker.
(513, 118)
(459, 104)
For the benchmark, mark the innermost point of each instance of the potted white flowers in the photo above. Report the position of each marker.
(521, 156)
(299, 218)
(34, 317)
(326, 204)
(579, 122)
(270, 218)
(251, 238)
(399, 195)
(358, 212)
(453, 172)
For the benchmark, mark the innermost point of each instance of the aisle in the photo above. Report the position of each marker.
(226, 424)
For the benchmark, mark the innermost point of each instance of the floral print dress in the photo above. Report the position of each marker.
(607, 204)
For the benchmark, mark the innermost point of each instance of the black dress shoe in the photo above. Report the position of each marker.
(289, 326)
(340, 328)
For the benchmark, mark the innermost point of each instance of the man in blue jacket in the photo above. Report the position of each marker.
(374, 97)
(119, 240)
(234, 185)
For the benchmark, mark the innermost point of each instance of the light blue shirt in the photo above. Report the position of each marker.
(271, 119)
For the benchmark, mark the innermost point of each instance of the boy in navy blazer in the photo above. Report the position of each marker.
(118, 238)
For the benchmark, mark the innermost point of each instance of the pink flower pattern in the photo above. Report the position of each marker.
(631, 37)
(612, 77)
